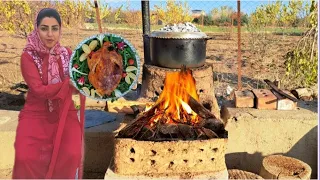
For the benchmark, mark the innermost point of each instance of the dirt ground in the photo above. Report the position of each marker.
(258, 64)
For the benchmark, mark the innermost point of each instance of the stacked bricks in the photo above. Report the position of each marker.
(244, 99)
(264, 99)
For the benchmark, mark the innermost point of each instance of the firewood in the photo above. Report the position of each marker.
(200, 134)
(213, 125)
(186, 131)
(168, 128)
(210, 134)
(134, 128)
(146, 133)
(274, 87)
(202, 111)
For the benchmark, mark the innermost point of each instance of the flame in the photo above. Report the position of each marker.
(148, 107)
(173, 101)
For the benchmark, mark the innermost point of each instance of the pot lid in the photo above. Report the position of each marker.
(178, 35)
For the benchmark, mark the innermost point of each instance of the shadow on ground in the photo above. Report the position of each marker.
(15, 100)
(310, 157)
(11, 102)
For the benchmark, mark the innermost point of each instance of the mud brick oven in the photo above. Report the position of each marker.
(175, 138)
(181, 135)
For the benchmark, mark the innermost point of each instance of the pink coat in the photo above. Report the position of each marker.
(48, 144)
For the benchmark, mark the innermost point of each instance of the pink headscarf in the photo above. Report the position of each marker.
(35, 47)
(58, 57)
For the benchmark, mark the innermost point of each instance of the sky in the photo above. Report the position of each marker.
(247, 6)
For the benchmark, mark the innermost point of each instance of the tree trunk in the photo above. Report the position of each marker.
(282, 167)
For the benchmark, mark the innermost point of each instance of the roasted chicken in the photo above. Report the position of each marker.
(105, 69)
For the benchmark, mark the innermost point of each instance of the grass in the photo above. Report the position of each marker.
(212, 29)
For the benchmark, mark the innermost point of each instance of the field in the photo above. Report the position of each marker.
(264, 61)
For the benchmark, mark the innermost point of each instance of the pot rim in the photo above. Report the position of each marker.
(178, 35)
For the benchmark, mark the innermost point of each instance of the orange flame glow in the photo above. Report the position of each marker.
(173, 101)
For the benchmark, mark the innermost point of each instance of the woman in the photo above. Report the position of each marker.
(49, 134)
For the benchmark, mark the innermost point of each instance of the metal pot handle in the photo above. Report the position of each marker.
(209, 38)
(146, 36)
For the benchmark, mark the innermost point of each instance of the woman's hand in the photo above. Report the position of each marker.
(74, 90)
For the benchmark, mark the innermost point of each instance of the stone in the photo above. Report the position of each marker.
(303, 93)
(285, 103)
(244, 99)
(265, 99)
(96, 118)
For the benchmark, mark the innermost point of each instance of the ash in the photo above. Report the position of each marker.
(181, 27)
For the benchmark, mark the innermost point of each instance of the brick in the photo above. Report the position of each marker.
(265, 99)
(285, 103)
(244, 98)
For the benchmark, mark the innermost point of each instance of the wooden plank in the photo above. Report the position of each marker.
(274, 87)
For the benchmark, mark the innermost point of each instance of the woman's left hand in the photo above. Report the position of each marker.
(74, 90)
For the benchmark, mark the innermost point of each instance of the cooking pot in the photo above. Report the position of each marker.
(174, 49)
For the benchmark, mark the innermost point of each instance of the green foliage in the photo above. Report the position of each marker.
(275, 14)
(279, 14)
(16, 17)
(104, 10)
(244, 19)
(117, 14)
(174, 12)
(221, 16)
(72, 12)
(302, 62)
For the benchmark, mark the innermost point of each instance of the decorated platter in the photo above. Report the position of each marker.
(104, 67)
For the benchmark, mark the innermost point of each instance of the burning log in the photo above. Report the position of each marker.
(209, 120)
(146, 133)
(176, 115)
(135, 127)
(200, 134)
(186, 131)
(168, 130)
(202, 111)
(214, 125)
(209, 133)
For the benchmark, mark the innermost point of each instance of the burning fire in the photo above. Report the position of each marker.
(173, 101)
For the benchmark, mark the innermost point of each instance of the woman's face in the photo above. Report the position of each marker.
(49, 31)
